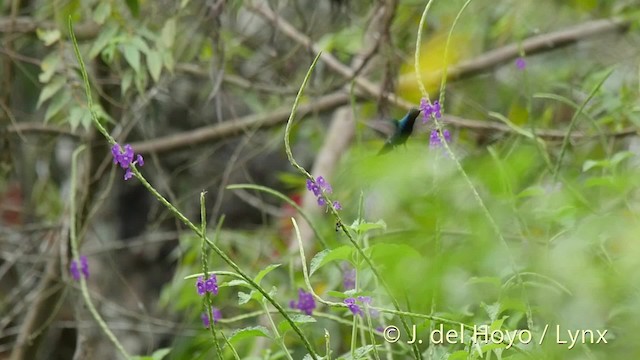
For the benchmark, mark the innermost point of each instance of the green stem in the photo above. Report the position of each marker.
(205, 270)
(76, 256)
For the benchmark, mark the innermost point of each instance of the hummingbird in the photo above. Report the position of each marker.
(402, 131)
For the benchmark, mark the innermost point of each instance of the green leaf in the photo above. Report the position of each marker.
(51, 89)
(49, 37)
(168, 33)
(155, 65)
(243, 297)
(160, 353)
(532, 191)
(359, 353)
(134, 7)
(132, 55)
(326, 256)
(264, 272)
(364, 226)
(167, 59)
(285, 326)
(458, 355)
(250, 332)
(103, 10)
(590, 164)
(49, 65)
(140, 44)
(59, 101)
(238, 282)
(620, 156)
(75, 116)
(141, 81)
(126, 81)
(107, 34)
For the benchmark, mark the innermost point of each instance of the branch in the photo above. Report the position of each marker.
(27, 25)
(238, 126)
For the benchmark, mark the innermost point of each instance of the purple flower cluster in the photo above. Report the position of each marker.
(355, 308)
(210, 285)
(521, 63)
(123, 156)
(319, 186)
(429, 109)
(305, 303)
(217, 315)
(434, 138)
(83, 267)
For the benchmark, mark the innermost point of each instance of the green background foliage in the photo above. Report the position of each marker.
(538, 226)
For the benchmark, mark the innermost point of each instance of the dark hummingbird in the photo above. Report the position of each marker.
(402, 131)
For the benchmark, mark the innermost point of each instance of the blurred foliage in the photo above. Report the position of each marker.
(573, 240)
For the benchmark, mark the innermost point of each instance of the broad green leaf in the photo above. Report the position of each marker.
(620, 156)
(364, 226)
(590, 164)
(125, 83)
(243, 297)
(75, 116)
(155, 65)
(140, 80)
(284, 325)
(532, 191)
(238, 282)
(250, 332)
(168, 33)
(103, 10)
(184, 3)
(49, 65)
(49, 37)
(167, 59)
(132, 55)
(326, 256)
(140, 44)
(51, 89)
(264, 272)
(160, 354)
(107, 34)
(59, 101)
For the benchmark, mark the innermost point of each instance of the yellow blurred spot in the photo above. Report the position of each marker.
(518, 114)
(432, 62)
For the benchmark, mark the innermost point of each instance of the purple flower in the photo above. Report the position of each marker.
(209, 285)
(73, 268)
(320, 186)
(353, 307)
(434, 138)
(83, 268)
(305, 303)
(429, 109)
(349, 281)
(217, 315)
(123, 156)
(521, 63)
